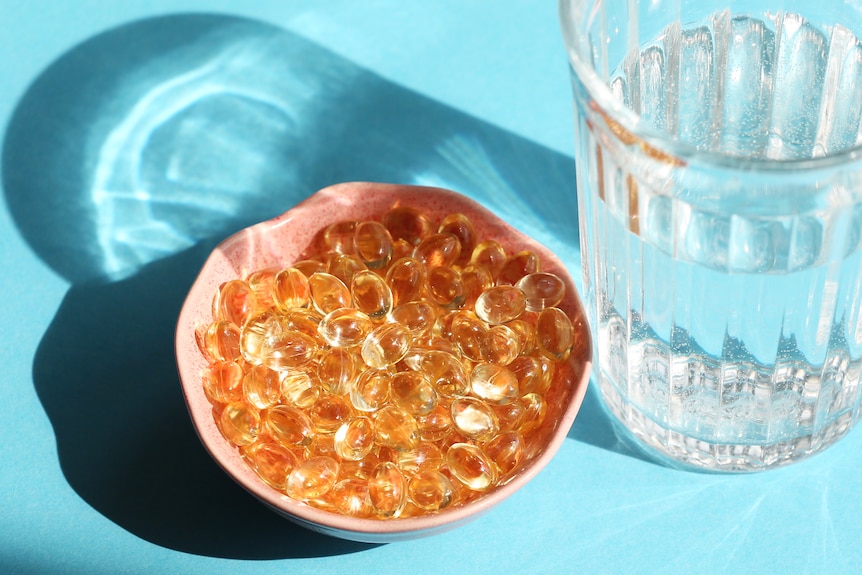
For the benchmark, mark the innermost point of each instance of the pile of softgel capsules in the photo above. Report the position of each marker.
(399, 371)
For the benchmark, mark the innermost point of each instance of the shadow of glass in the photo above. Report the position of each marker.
(131, 156)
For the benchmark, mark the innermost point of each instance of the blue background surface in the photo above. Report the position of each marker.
(137, 134)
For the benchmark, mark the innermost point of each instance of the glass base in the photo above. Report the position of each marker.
(674, 449)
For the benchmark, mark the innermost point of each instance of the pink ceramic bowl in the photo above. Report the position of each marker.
(282, 241)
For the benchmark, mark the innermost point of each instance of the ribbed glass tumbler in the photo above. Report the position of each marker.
(720, 204)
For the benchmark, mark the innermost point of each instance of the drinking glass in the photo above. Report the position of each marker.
(719, 177)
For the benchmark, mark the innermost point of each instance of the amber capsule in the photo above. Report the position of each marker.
(337, 368)
(433, 343)
(272, 462)
(329, 412)
(506, 450)
(468, 333)
(309, 267)
(345, 327)
(401, 249)
(290, 426)
(412, 510)
(222, 382)
(542, 290)
(555, 334)
(474, 280)
(406, 223)
(338, 237)
(444, 286)
(386, 345)
(305, 321)
(351, 497)
(385, 453)
(371, 294)
(462, 228)
(239, 422)
(517, 266)
(299, 389)
(470, 465)
(200, 335)
(534, 373)
(535, 410)
(502, 345)
(344, 266)
(417, 316)
(510, 415)
(370, 390)
(474, 419)
(234, 302)
(222, 341)
(290, 290)
(355, 438)
(261, 387)
(413, 358)
(396, 428)
(446, 372)
(312, 478)
(256, 332)
(451, 438)
(387, 488)
(490, 255)
(437, 424)
(463, 494)
(500, 304)
(438, 250)
(426, 456)
(430, 490)
(493, 383)
(360, 468)
(328, 293)
(526, 334)
(443, 324)
(412, 391)
(288, 350)
(406, 279)
(262, 284)
(320, 444)
(373, 244)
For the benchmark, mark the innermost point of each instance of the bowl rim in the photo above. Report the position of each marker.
(331, 523)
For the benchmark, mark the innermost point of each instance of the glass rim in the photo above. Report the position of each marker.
(632, 122)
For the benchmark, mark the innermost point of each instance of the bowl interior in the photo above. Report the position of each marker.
(288, 238)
